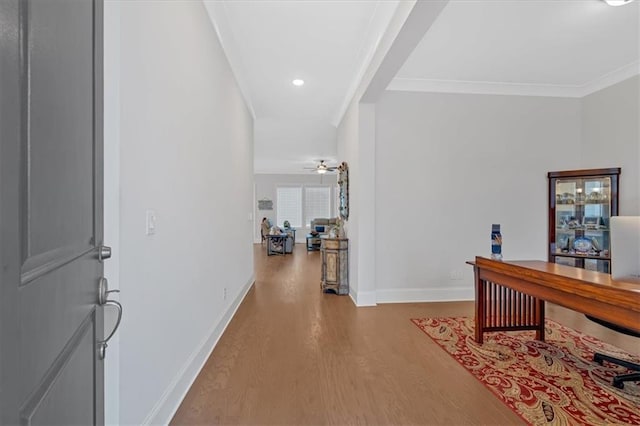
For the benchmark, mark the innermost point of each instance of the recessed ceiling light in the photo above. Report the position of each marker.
(298, 82)
(617, 2)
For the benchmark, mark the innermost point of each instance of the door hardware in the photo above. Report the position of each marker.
(103, 294)
(104, 253)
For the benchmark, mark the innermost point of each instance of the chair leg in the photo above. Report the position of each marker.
(598, 357)
(618, 381)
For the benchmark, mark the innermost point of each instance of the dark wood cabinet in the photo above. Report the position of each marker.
(581, 202)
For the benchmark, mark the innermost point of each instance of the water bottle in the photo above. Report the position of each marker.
(496, 242)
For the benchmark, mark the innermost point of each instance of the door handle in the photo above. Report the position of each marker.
(102, 344)
(103, 294)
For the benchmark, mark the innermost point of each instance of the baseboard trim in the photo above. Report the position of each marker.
(365, 298)
(168, 404)
(353, 297)
(410, 295)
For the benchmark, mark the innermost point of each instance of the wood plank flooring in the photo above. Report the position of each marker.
(295, 356)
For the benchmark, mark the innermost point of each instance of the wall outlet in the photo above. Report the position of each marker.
(224, 293)
(456, 274)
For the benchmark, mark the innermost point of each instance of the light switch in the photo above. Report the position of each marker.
(151, 222)
(250, 217)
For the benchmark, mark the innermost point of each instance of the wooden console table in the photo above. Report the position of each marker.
(335, 265)
(510, 295)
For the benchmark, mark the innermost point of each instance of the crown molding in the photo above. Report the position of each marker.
(515, 89)
(217, 14)
(612, 78)
(378, 24)
(481, 87)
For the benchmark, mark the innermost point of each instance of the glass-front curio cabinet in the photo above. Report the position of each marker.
(581, 202)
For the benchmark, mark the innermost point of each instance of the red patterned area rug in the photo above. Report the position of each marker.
(553, 382)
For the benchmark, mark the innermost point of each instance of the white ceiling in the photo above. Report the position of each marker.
(531, 47)
(327, 43)
(525, 47)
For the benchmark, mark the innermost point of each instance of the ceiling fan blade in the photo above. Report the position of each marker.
(322, 168)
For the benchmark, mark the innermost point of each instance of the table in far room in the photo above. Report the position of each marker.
(313, 242)
(281, 243)
(276, 243)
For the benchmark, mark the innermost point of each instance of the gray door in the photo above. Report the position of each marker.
(50, 212)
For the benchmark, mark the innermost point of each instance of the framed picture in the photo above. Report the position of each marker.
(343, 184)
(265, 204)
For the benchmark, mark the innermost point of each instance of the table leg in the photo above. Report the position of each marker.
(540, 319)
(480, 307)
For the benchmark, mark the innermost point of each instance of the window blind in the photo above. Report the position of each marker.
(289, 206)
(317, 203)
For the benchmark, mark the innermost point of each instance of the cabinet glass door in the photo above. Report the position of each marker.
(580, 209)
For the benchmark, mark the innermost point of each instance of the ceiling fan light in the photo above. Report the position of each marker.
(322, 171)
(617, 2)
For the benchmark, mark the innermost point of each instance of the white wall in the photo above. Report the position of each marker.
(186, 151)
(348, 150)
(450, 165)
(611, 137)
(356, 144)
(366, 201)
(280, 143)
(266, 188)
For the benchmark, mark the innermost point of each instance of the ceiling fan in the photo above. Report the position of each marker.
(322, 168)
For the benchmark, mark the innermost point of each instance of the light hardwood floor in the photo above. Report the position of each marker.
(295, 356)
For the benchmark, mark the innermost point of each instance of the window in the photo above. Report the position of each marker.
(317, 203)
(289, 206)
(295, 203)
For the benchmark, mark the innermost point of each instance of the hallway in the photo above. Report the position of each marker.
(293, 355)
